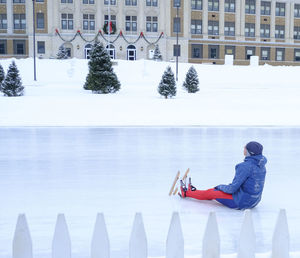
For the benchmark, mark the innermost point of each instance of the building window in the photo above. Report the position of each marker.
(297, 10)
(265, 30)
(113, 19)
(229, 29)
(39, 1)
(20, 21)
(131, 2)
(3, 47)
(280, 54)
(230, 50)
(176, 24)
(40, 21)
(250, 51)
(131, 23)
(2, 1)
(88, 21)
(279, 31)
(196, 4)
(67, 1)
(19, 47)
(280, 9)
(297, 54)
(176, 50)
(197, 51)
(213, 27)
(296, 32)
(265, 53)
(3, 21)
(230, 6)
(265, 8)
(67, 21)
(19, 1)
(151, 2)
(41, 47)
(213, 5)
(88, 1)
(213, 52)
(196, 26)
(250, 7)
(112, 2)
(151, 24)
(249, 29)
(176, 3)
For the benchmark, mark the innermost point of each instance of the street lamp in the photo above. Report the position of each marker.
(177, 47)
(34, 61)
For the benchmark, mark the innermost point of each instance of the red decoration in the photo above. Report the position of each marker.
(110, 27)
(56, 30)
(162, 33)
(121, 33)
(100, 31)
(142, 34)
(78, 31)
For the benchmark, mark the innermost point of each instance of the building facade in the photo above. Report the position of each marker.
(207, 30)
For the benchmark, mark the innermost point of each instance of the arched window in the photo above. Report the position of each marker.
(87, 51)
(111, 51)
(131, 52)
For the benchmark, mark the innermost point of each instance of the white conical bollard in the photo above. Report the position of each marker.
(22, 244)
(61, 244)
(138, 247)
(211, 239)
(247, 238)
(280, 243)
(100, 242)
(175, 242)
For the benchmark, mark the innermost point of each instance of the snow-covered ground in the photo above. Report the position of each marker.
(229, 95)
(97, 167)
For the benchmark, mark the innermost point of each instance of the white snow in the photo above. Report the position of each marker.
(229, 95)
(119, 171)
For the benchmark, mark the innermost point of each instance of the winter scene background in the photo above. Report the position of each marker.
(66, 150)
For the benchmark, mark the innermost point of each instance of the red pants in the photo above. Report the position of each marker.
(213, 194)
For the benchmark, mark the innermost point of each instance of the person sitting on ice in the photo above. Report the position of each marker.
(246, 188)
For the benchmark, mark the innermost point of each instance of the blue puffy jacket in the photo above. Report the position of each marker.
(248, 183)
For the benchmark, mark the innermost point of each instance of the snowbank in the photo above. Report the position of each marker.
(228, 96)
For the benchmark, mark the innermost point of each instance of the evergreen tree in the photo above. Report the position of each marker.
(62, 53)
(12, 85)
(101, 78)
(157, 55)
(191, 83)
(2, 76)
(167, 85)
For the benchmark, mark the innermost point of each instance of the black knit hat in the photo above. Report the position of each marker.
(254, 148)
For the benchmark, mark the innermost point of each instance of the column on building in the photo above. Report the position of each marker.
(77, 15)
(221, 18)
(242, 18)
(187, 19)
(291, 18)
(238, 19)
(257, 19)
(288, 19)
(273, 20)
(9, 11)
(205, 19)
(141, 16)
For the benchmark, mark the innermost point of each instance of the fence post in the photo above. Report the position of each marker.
(22, 244)
(175, 242)
(138, 247)
(280, 242)
(247, 238)
(211, 239)
(100, 247)
(61, 244)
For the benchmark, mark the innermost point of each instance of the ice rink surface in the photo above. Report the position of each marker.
(119, 171)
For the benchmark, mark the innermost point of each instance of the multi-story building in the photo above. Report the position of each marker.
(207, 29)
